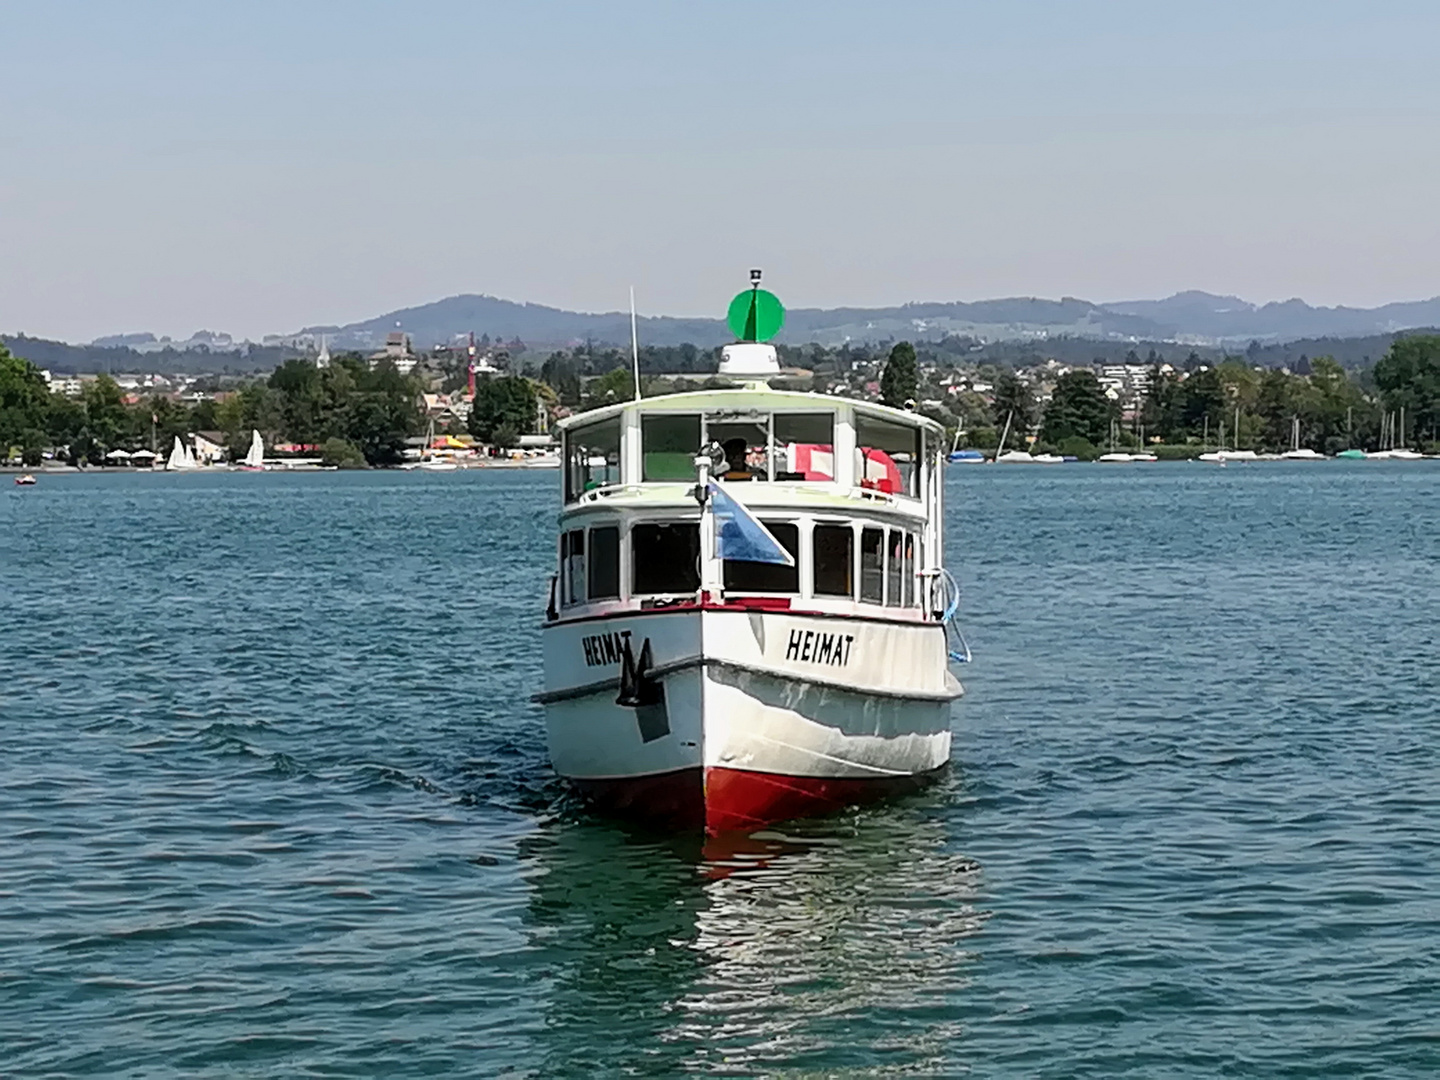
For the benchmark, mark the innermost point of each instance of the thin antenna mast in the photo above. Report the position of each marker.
(634, 344)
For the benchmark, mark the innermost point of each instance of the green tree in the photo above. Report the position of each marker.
(1014, 400)
(300, 405)
(508, 400)
(615, 385)
(562, 374)
(1408, 377)
(1160, 409)
(900, 381)
(1202, 398)
(381, 414)
(341, 454)
(32, 442)
(24, 400)
(1078, 409)
(505, 436)
(107, 421)
(1275, 407)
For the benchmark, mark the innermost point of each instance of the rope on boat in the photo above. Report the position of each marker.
(952, 605)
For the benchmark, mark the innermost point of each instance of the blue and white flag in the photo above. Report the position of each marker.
(739, 536)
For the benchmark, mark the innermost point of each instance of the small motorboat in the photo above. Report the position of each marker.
(25, 479)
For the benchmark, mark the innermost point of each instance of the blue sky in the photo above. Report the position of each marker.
(260, 166)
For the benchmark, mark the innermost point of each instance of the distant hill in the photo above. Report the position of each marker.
(1228, 318)
(1011, 328)
(1197, 317)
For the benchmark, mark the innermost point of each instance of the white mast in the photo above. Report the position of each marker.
(634, 344)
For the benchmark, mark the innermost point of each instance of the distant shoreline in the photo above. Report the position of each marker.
(124, 470)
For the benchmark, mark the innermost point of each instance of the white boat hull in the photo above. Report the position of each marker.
(762, 715)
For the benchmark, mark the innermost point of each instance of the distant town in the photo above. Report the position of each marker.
(482, 400)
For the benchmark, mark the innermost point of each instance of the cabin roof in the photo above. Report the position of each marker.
(750, 397)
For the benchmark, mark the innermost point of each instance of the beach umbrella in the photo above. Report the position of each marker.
(117, 455)
(145, 454)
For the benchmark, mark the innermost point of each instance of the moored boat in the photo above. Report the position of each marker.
(1024, 457)
(750, 617)
(254, 459)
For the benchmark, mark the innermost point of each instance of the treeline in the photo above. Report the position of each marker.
(1251, 409)
(66, 359)
(351, 412)
(358, 413)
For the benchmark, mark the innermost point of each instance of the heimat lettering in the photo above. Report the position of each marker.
(817, 648)
(603, 649)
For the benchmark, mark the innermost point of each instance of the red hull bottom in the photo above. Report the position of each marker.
(726, 800)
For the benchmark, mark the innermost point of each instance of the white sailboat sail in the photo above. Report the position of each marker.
(255, 457)
(177, 456)
(190, 462)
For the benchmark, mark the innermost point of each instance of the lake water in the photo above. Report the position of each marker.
(273, 800)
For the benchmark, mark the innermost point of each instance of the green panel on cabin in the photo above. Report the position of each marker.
(669, 465)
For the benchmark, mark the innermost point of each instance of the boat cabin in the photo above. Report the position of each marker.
(851, 490)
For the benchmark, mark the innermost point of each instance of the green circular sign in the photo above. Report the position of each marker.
(755, 315)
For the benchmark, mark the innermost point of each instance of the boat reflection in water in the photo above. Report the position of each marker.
(837, 943)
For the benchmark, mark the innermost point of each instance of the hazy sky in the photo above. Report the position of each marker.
(254, 167)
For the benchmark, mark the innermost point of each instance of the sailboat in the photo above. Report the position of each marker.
(254, 460)
(1021, 457)
(1113, 456)
(963, 457)
(181, 458)
(1392, 447)
(1296, 451)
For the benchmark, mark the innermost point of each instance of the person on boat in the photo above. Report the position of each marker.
(735, 454)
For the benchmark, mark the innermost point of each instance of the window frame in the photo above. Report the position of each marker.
(572, 472)
(847, 527)
(915, 488)
(635, 591)
(698, 416)
(591, 596)
(798, 569)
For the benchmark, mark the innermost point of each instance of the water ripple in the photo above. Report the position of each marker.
(275, 802)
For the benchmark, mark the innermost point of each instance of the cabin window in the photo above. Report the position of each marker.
(592, 457)
(887, 456)
(759, 577)
(572, 567)
(834, 560)
(907, 570)
(895, 569)
(668, 446)
(746, 444)
(872, 565)
(805, 446)
(604, 563)
(665, 558)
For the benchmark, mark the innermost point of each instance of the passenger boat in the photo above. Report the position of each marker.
(751, 620)
(25, 480)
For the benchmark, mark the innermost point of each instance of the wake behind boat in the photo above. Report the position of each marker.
(749, 618)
